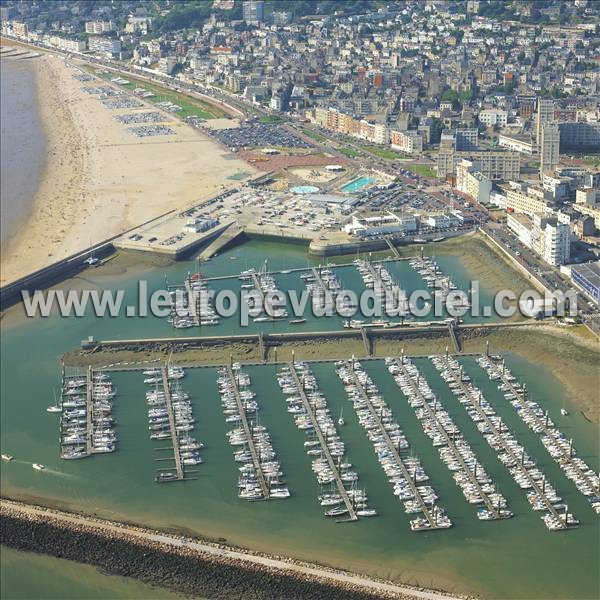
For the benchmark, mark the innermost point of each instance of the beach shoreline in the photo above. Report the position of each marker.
(98, 179)
(204, 567)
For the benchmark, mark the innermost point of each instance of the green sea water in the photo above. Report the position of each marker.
(518, 558)
(29, 576)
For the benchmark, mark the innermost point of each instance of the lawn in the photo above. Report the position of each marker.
(269, 119)
(349, 152)
(422, 170)
(190, 106)
(315, 136)
(382, 152)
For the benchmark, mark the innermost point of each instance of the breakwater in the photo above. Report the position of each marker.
(177, 563)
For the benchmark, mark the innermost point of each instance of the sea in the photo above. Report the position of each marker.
(23, 145)
(516, 558)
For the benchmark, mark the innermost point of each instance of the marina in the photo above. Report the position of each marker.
(540, 493)
(260, 473)
(476, 485)
(387, 292)
(86, 420)
(312, 415)
(170, 418)
(556, 443)
(404, 473)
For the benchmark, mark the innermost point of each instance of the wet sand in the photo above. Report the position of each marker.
(98, 179)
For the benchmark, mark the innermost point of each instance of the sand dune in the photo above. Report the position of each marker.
(99, 179)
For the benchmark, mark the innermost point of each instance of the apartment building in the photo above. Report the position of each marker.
(410, 142)
(546, 236)
(104, 45)
(526, 201)
(579, 136)
(99, 27)
(473, 183)
(495, 165)
(493, 116)
(67, 44)
(545, 114)
(549, 148)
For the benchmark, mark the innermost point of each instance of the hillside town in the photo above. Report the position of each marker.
(492, 106)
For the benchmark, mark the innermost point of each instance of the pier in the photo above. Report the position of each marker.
(190, 295)
(450, 441)
(518, 461)
(392, 247)
(172, 426)
(89, 404)
(323, 442)
(429, 514)
(565, 457)
(249, 434)
(454, 336)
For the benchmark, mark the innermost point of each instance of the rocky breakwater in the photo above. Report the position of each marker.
(170, 561)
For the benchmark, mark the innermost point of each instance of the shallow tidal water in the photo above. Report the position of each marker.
(518, 558)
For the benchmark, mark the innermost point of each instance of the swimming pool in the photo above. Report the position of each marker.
(357, 184)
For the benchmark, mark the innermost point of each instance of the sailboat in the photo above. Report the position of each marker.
(91, 260)
(54, 408)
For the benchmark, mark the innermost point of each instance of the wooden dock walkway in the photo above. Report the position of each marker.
(457, 376)
(172, 425)
(324, 448)
(264, 487)
(190, 297)
(89, 412)
(450, 442)
(394, 452)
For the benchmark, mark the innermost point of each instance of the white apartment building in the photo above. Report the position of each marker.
(67, 44)
(493, 116)
(104, 45)
(470, 181)
(546, 236)
(99, 27)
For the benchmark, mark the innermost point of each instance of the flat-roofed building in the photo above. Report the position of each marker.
(549, 148)
(545, 114)
(410, 142)
(579, 136)
(522, 144)
(525, 202)
(587, 278)
(496, 165)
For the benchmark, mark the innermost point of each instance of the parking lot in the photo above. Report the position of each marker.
(258, 135)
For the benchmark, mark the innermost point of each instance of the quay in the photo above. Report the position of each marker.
(450, 441)
(89, 386)
(394, 452)
(249, 434)
(172, 427)
(497, 434)
(194, 314)
(565, 459)
(324, 448)
(396, 332)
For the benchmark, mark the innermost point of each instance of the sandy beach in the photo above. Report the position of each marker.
(99, 179)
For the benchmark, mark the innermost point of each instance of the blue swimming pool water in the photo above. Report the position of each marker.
(357, 184)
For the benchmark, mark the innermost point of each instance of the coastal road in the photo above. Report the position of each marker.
(307, 569)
